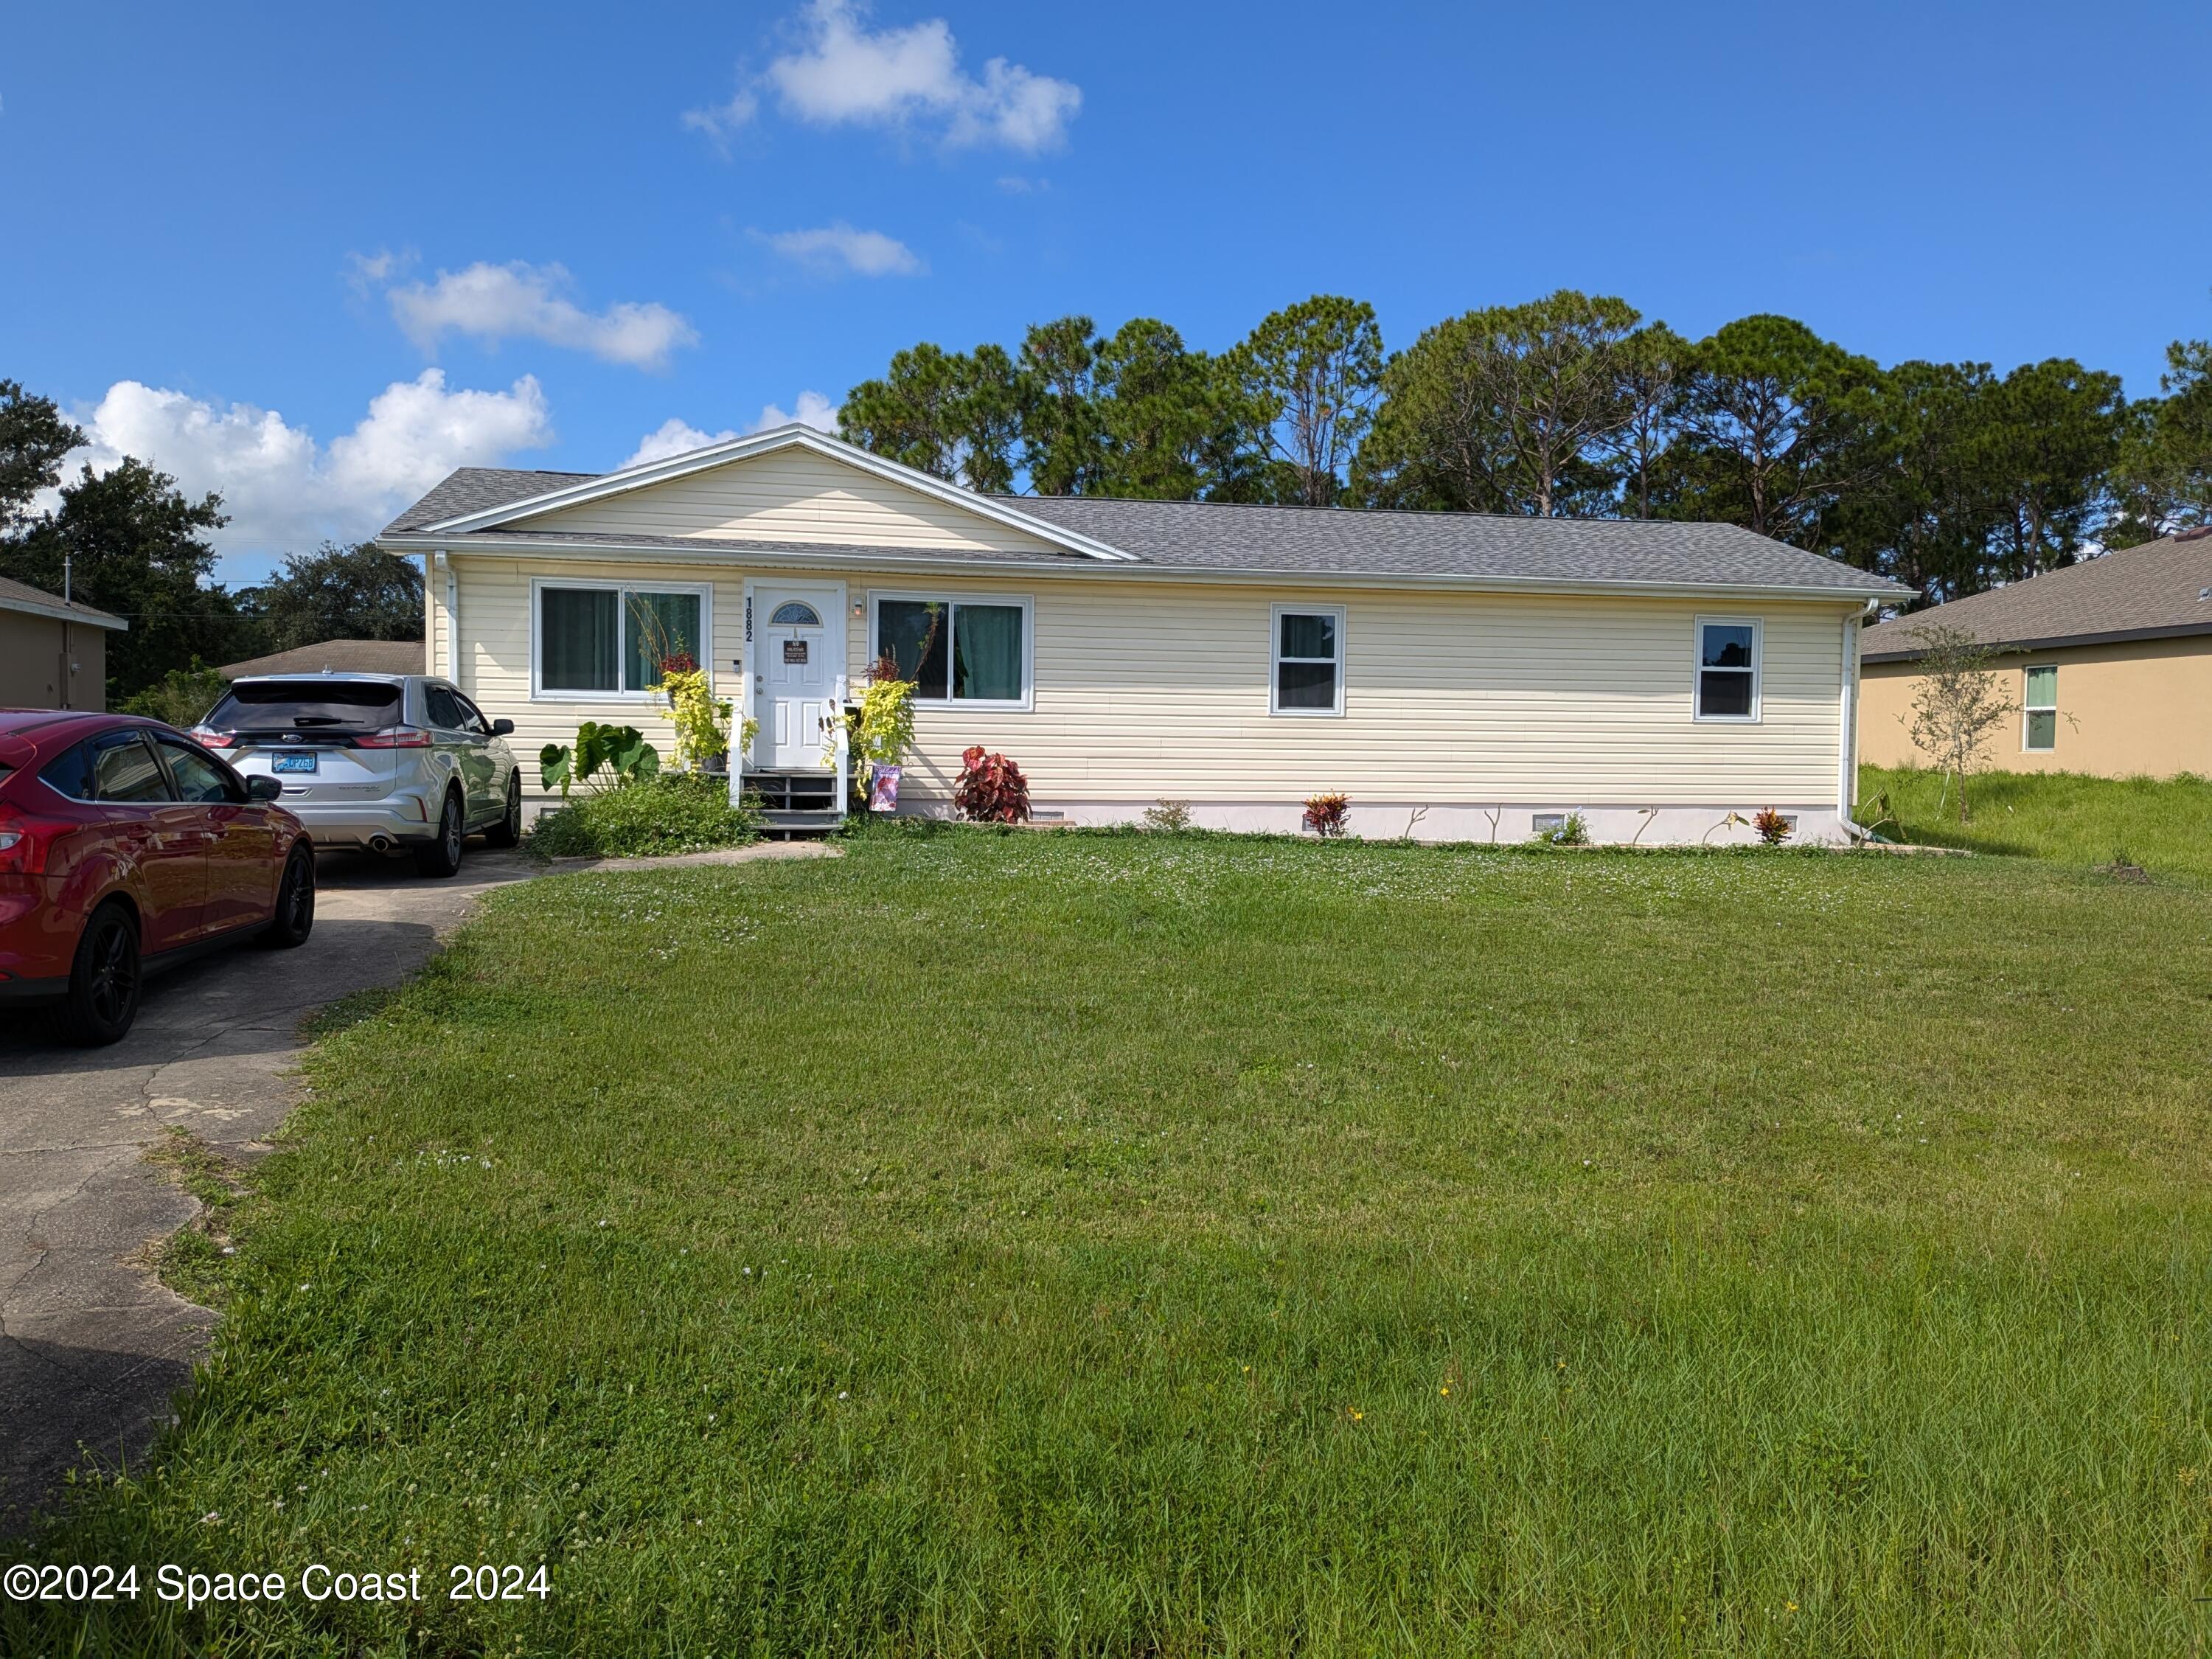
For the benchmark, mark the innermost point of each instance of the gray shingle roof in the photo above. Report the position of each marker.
(734, 547)
(473, 488)
(1300, 540)
(36, 601)
(1335, 541)
(2160, 589)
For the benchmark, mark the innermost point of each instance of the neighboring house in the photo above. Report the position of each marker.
(53, 652)
(1459, 676)
(2108, 661)
(338, 656)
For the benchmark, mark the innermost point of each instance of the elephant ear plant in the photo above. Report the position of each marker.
(619, 752)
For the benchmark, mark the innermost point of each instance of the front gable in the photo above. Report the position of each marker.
(791, 485)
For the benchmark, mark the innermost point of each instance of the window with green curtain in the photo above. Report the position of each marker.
(915, 632)
(655, 625)
(579, 636)
(2041, 706)
(986, 652)
(956, 650)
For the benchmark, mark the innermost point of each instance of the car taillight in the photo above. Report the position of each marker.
(24, 843)
(207, 739)
(394, 737)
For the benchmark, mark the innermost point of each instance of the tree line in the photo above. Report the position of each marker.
(1951, 477)
(133, 543)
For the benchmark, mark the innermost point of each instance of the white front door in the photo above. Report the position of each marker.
(799, 655)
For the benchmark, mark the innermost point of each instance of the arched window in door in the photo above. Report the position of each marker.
(796, 613)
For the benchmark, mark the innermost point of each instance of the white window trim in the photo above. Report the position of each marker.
(1025, 704)
(1276, 659)
(2027, 709)
(702, 648)
(1758, 628)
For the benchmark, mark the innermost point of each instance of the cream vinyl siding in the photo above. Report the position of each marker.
(495, 666)
(791, 496)
(1151, 689)
(1146, 690)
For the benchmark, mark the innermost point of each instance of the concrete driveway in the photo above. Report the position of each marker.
(91, 1347)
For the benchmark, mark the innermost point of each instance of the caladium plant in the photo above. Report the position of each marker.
(991, 789)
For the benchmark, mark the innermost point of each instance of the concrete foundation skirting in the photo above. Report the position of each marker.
(1503, 823)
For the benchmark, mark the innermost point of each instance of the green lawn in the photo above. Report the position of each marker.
(2164, 826)
(1058, 1244)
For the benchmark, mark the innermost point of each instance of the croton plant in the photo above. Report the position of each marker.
(991, 789)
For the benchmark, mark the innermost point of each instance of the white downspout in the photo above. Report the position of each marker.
(1847, 744)
(430, 613)
(452, 621)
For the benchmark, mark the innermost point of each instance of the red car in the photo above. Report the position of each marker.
(125, 848)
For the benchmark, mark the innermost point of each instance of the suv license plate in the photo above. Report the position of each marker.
(293, 761)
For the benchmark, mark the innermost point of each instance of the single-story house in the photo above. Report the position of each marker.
(2109, 662)
(53, 651)
(1459, 676)
(338, 656)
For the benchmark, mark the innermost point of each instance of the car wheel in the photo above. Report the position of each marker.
(105, 980)
(507, 832)
(296, 903)
(442, 857)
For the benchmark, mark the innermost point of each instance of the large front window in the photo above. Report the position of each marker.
(611, 641)
(956, 650)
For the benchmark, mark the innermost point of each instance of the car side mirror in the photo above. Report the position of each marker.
(502, 728)
(264, 788)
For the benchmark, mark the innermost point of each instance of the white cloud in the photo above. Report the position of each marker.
(907, 78)
(284, 491)
(522, 300)
(866, 252)
(719, 121)
(366, 271)
(675, 436)
(814, 409)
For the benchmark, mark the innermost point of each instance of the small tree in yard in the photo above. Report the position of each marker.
(1958, 704)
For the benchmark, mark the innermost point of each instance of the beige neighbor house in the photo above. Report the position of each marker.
(53, 652)
(2109, 662)
(1459, 676)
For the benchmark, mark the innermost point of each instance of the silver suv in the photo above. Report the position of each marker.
(388, 762)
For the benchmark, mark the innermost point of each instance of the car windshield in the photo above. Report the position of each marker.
(306, 705)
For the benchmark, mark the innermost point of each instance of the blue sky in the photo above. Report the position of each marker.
(313, 256)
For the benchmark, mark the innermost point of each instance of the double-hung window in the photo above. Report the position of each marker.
(605, 639)
(1308, 667)
(961, 651)
(2039, 709)
(1728, 668)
